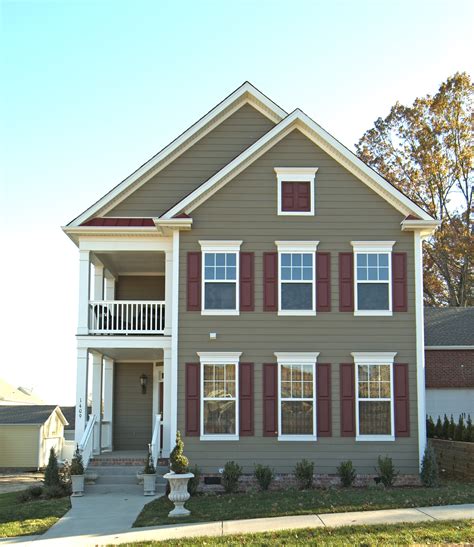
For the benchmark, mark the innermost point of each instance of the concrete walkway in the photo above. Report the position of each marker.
(112, 523)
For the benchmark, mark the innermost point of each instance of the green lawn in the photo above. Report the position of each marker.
(439, 532)
(214, 507)
(31, 517)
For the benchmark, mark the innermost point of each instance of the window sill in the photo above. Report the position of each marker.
(293, 438)
(373, 313)
(219, 438)
(220, 312)
(381, 438)
(296, 213)
(296, 312)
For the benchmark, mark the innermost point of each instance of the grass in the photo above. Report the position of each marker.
(453, 531)
(215, 507)
(31, 517)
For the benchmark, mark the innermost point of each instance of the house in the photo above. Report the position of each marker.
(27, 434)
(257, 287)
(449, 357)
(10, 395)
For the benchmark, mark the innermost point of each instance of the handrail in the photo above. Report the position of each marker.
(156, 440)
(87, 441)
(126, 316)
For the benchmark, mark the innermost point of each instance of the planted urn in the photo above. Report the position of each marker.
(77, 474)
(178, 479)
(149, 476)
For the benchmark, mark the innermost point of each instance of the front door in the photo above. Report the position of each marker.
(133, 409)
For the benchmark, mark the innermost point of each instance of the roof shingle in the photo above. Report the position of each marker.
(449, 326)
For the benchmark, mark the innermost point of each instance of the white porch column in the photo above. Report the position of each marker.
(81, 393)
(98, 281)
(109, 285)
(173, 392)
(168, 441)
(97, 399)
(168, 292)
(84, 292)
(108, 400)
(156, 387)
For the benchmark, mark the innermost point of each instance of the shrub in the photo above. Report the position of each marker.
(23, 496)
(429, 474)
(193, 483)
(386, 469)
(469, 431)
(452, 429)
(51, 474)
(459, 431)
(438, 428)
(55, 491)
(264, 476)
(149, 468)
(304, 471)
(445, 430)
(347, 473)
(35, 491)
(76, 467)
(178, 461)
(230, 476)
(430, 427)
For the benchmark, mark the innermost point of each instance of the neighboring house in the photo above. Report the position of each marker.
(259, 288)
(27, 433)
(10, 395)
(449, 356)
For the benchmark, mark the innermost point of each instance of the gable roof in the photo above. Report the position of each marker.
(448, 327)
(28, 414)
(245, 94)
(299, 120)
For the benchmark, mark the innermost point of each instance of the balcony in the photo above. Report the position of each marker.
(126, 317)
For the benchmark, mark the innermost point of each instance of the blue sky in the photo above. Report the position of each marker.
(92, 89)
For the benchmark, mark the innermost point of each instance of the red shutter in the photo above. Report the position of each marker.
(288, 198)
(246, 399)
(323, 281)
(270, 400)
(323, 399)
(193, 403)
(270, 281)
(399, 282)
(303, 200)
(247, 281)
(295, 196)
(346, 282)
(194, 281)
(402, 406)
(347, 384)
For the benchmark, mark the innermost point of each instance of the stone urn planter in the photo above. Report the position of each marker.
(77, 483)
(149, 484)
(178, 492)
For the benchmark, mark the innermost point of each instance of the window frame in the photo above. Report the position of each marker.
(223, 358)
(295, 174)
(373, 247)
(385, 358)
(298, 358)
(211, 247)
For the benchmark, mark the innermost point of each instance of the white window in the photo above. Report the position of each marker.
(297, 396)
(296, 277)
(295, 190)
(220, 275)
(374, 396)
(219, 396)
(373, 277)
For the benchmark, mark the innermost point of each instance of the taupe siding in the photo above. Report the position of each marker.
(140, 287)
(196, 165)
(19, 446)
(346, 210)
(132, 409)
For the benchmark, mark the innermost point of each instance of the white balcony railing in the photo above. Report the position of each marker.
(126, 317)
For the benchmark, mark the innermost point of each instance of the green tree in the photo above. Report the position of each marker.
(426, 151)
(51, 473)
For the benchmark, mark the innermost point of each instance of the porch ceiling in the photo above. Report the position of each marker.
(132, 354)
(126, 263)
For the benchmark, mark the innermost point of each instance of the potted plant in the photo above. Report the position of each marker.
(149, 476)
(178, 478)
(77, 474)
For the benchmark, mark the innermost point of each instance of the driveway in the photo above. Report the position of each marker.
(13, 482)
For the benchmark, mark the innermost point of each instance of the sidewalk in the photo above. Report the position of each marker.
(220, 528)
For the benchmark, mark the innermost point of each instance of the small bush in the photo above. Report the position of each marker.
(149, 468)
(304, 471)
(263, 475)
(35, 491)
(178, 461)
(77, 466)
(429, 474)
(452, 429)
(193, 483)
(24, 496)
(386, 469)
(347, 473)
(51, 474)
(56, 491)
(460, 427)
(230, 476)
(438, 428)
(445, 429)
(430, 427)
(469, 431)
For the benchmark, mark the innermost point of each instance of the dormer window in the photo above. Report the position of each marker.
(295, 189)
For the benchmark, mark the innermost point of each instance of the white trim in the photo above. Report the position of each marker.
(220, 246)
(220, 312)
(295, 174)
(373, 313)
(299, 120)
(373, 246)
(244, 94)
(297, 246)
(426, 227)
(447, 348)
(374, 357)
(174, 342)
(219, 358)
(296, 358)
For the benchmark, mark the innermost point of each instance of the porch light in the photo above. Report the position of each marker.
(143, 382)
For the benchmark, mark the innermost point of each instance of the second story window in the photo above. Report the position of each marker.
(372, 264)
(297, 277)
(220, 289)
(295, 190)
